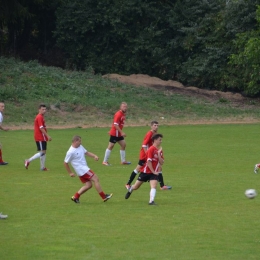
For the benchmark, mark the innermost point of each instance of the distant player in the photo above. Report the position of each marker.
(147, 142)
(41, 138)
(117, 135)
(257, 166)
(76, 157)
(149, 172)
(2, 108)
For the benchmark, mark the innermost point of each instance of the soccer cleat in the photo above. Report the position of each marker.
(256, 169)
(165, 187)
(152, 203)
(128, 194)
(3, 216)
(26, 164)
(125, 163)
(76, 200)
(106, 163)
(127, 186)
(3, 163)
(44, 169)
(108, 196)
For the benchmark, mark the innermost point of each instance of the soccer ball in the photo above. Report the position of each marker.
(250, 193)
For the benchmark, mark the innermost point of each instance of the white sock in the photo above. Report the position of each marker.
(136, 172)
(42, 160)
(122, 155)
(36, 156)
(107, 155)
(152, 194)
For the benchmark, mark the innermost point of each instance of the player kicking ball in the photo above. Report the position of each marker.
(150, 170)
(76, 157)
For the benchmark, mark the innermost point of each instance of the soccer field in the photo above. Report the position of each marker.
(205, 216)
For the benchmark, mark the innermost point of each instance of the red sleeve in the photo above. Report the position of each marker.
(150, 153)
(147, 138)
(117, 118)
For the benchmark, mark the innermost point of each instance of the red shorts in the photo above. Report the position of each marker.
(87, 176)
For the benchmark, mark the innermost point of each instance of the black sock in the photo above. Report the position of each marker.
(132, 177)
(160, 179)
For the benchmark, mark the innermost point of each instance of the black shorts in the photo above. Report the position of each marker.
(141, 162)
(147, 177)
(115, 139)
(41, 145)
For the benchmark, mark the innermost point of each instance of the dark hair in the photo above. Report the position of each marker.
(154, 122)
(42, 105)
(156, 136)
(75, 138)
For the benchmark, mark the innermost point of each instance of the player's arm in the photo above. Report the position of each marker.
(150, 165)
(160, 158)
(67, 167)
(119, 130)
(45, 133)
(92, 155)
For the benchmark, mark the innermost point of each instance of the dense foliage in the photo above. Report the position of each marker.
(208, 43)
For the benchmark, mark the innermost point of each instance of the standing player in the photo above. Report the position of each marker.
(150, 170)
(147, 142)
(2, 108)
(117, 135)
(41, 138)
(76, 157)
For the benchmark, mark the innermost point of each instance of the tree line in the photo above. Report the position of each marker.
(212, 44)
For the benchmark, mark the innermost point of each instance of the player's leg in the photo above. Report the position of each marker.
(82, 190)
(110, 147)
(153, 184)
(162, 185)
(1, 158)
(97, 185)
(122, 144)
(134, 173)
(40, 153)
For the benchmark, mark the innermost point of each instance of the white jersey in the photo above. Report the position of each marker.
(76, 157)
(1, 118)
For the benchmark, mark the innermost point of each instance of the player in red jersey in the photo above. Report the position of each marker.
(2, 107)
(117, 135)
(41, 138)
(147, 142)
(150, 170)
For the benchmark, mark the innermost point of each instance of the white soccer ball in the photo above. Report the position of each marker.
(250, 193)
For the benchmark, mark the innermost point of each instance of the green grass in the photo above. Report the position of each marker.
(81, 98)
(204, 216)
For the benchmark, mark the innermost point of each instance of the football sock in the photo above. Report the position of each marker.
(160, 179)
(102, 195)
(132, 177)
(122, 155)
(152, 194)
(1, 159)
(42, 160)
(76, 195)
(107, 155)
(36, 156)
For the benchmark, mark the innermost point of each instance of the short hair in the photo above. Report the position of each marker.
(41, 105)
(76, 138)
(123, 103)
(156, 136)
(154, 122)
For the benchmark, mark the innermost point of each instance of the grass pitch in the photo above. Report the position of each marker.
(204, 216)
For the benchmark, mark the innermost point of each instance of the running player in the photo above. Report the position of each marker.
(117, 135)
(76, 157)
(2, 108)
(147, 142)
(41, 138)
(150, 172)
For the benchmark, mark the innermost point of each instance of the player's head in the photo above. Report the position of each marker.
(2, 106)
(42, 109)
(123, 107)
(157, 139)
(76, 141)
(154, 126)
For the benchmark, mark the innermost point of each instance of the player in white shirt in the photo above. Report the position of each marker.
(2, 107)
(76, 157)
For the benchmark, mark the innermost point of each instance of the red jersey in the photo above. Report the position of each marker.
(147, 142)
(39, 123)
(152, 155)
(119, 119)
